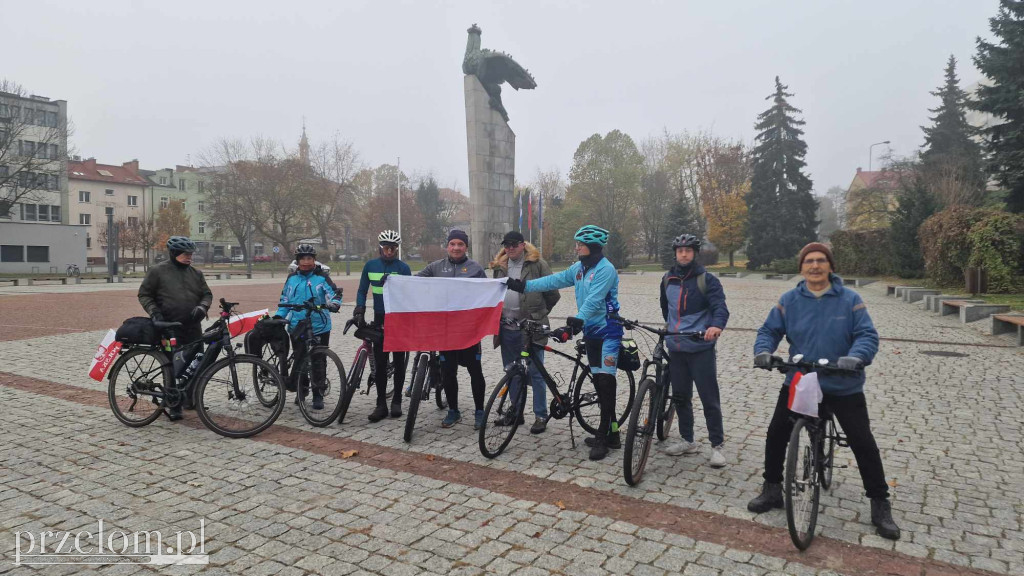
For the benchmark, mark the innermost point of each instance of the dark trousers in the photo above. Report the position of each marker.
(604, 385)
(852, 414)
(380, 360)
(700, 368)
(450, 362)
(319, 370)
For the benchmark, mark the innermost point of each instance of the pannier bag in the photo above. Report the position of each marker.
(629, 355)
(262, 334)
(138, 330)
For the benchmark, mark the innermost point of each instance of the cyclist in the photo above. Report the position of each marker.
(305, 283)
(822, 319)
(458, 265)
(597, 289)
(174, 291)
(521, 260)
(372, 280)
(693, 300)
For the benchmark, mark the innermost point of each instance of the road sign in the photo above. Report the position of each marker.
(277, 249)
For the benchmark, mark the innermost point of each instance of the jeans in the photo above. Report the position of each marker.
(685, 370)
(511, 346)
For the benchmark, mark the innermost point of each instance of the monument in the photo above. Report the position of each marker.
(491, 143)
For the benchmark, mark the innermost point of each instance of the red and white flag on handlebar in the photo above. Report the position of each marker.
(105, 356)
(440, 313)
(243, 323)
(805, 394)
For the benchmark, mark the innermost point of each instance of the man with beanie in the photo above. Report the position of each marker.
(597, 296)
(174, 291)
(823, 319)
(458, 265)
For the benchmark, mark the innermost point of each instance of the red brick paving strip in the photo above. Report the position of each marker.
(825, 553)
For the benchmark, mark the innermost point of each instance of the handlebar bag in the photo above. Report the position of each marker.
(138, 330)
(374, 334)
(629, 355)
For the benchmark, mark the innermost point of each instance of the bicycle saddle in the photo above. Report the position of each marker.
(160, 325)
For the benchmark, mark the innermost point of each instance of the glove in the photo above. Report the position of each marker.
(198, 313)
(156, 316)
(763, 360)
(575, 324)
(562, 334)
(516, 285)
(339, 292)
(334, 306)
(359, 315)
(850, 363)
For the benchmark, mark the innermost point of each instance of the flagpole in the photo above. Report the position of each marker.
(529, 217)
(541, 223)
(398, 177)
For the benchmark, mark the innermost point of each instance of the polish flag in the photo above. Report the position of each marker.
(440, 314)
(105, 356)
(241, 324)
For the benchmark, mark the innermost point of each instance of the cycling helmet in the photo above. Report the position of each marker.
(181, 244)
(305, 250)
(591, 234)
(389, 236)
(686, 241)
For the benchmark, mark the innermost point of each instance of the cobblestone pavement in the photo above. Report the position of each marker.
(288, 502)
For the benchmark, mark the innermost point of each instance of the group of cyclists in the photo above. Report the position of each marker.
(820, 318)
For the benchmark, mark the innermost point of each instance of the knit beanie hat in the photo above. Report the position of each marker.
(817, 247)
(456, 234)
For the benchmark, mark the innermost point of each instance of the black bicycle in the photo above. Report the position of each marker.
(426, 380)
(654, 410)
(810, 457)
(504, 411)
(237, 396)
(368, 334)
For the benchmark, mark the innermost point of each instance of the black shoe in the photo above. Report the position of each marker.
(174, 414)
(396, 410)
(770, 497)
(539, 425)
(507, 420)
(379, 413)
(598, 450)
(881, 517)
(614, 442)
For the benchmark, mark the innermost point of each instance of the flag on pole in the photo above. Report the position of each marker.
(241, 324)
(529, 213)
(520, 211)
(439, 314)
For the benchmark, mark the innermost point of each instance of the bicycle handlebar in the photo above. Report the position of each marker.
(632, 324)
(529, 326)
(307, 305)
(822, 365)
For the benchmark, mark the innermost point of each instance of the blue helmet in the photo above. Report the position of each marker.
(591, 234)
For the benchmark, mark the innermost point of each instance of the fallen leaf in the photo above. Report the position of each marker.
(561, 506)
(892, 483)
(122, 443)
(536, 534)
(431, 457)
(349, 453)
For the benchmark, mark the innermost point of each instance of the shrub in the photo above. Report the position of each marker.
(997, 241)
(946, 244)
(862, 252)
(785, 266)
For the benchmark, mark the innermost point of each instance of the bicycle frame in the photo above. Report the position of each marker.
(525, 360)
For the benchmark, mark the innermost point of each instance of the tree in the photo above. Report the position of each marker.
(171, 221)
(550, 186)
(431, 207)
(651, 204)
(676, 156)
(727, 221)
(829, 216)
(231, 208)
(915, 205)
(681, 216)
(334, 166)
(782, 209)
(1001, 62)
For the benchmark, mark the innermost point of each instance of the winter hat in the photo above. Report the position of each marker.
(817, 247)
(456, 234)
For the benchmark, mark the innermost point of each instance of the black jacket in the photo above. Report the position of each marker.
(174, 291)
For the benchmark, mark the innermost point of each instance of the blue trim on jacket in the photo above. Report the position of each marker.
(298, 288)
(685, 309)
(597, 295)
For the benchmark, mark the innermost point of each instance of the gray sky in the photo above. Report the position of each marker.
(159, 81)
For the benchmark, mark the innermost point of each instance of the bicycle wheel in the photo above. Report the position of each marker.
(355, 381)
(434, 379)
(801, 487)
(585, 405)
(667, 416)
(419, 378)
(322, 386)
(225, 397)
(827, 457)
(264, 383)
(134, 382)
(502, 414)
(642, 422)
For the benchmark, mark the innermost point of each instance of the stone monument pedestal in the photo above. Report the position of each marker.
(492, 160)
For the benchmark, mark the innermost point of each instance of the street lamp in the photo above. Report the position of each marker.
(870, 156)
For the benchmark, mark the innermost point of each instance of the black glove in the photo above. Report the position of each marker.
(384, 278)
(333, 306)
(516, 285)
(278, 317)
(763, 360)
(850, 363)
(339, 292)
(575, 324)
(562, 334)
(156, 316)
(198, 313)
(359, 315)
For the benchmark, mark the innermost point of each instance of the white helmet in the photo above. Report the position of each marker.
(389, 236)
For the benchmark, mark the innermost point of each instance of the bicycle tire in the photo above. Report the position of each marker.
(418, 380)
(491, 446)
(435, 382)
(828, 457)
(802, 493)
(333, 389)
(355, 380)
(642, 418)
(585, 406)
(667, 416)
(263, 382)
(135, 390)
(221, 410)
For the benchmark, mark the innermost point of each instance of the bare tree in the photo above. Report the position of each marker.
(334, 165)
(231, 207)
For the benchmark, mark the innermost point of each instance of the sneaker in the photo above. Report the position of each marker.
(174, 414)
(681, 447)
(770, 497)
(379, 413)
(453, 418)
(881, 517)
(396, 410)
(717, 458)
(539, 425)
(599, 449)
(478, 419)
(614, 441)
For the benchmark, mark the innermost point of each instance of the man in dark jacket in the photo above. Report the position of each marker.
(521, 260)
(822, 319)
(174, 291)
(693, 301)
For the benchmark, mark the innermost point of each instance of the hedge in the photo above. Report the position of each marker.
(862, 252)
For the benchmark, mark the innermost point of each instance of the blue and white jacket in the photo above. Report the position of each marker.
(301, 286)
(686, 309)
(597, 295)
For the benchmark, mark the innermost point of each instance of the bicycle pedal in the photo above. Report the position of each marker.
(840, 466)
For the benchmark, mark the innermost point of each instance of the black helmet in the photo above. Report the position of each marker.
(181, 244)
(686, 241)
(305, 250)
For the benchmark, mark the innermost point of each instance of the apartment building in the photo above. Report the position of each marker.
(98, 190)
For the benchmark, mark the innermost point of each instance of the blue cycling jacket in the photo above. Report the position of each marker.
(597, 295)
(298, 288)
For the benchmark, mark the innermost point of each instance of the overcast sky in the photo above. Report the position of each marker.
(162, 81)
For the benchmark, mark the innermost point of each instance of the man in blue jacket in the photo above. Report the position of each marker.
(693, 301)
(822, 319)
(372, 279)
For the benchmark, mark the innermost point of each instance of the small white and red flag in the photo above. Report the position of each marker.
(105, 356)
(242, 323)
(805, 394)
(440, 314)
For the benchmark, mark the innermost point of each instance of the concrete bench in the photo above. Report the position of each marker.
(971, 311)
(728, 275)
(228, 275)
(931, 301)
(1003, 323)
(858, 282)
(890, 289)
(912, 295)
(778, 276)
(23, 282)
(900, 290)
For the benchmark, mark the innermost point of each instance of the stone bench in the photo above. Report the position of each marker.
(931, 301)
(912, 295)
(778, 276)
(728, 275)
(890, 289)
(64, 280)
(971, 311)
(1003, 323)
(858, 282)
(228, 275)
(900, 290)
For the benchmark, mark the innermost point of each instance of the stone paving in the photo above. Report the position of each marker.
(949, 430)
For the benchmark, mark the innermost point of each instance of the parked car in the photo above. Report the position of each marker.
(262, 258)
(221, 259)
(238, 258)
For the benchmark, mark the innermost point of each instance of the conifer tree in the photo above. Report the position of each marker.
(681, 219)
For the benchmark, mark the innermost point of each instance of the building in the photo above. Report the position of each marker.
(871, 199)
(100, 190)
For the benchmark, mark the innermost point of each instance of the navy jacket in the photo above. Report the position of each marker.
(685, 309)
(372, 280)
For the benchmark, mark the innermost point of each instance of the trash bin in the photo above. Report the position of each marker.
(977, 280)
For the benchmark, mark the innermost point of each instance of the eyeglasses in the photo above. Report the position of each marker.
(513, 244)
(818, 261)
(390, 247)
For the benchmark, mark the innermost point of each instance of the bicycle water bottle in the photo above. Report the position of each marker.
(187, 374)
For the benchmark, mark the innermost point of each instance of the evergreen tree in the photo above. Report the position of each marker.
(681, 219)
(782, 216)
(617, 250)
(916, 204)
(1002, 62)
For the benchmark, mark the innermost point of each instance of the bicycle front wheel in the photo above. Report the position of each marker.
(355, 380)
(135, 383)
(802, 487)
(588, 410)
(667, 414)
(419, 378)
(642, 423)
(226, 399)
(265, 383)
(321, 387)
(827, 461)
(502, 413)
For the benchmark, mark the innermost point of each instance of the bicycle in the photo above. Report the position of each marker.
(654, 410)
(224, 388)
(364, 354)
(808, 468)
(426, 380)
(73, 271)
(503, 414)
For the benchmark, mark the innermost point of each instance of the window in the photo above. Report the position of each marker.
(85, 219)
(12, 253)
(109, 210)
(41, 151)
(27, 148)
(133, 221)
(88, 241)
(163, 202)
(51, 119)
(133, 200)
(53, 182)
(106, 173)
(38, 253)
(181, 184)
(83, 196)
(163, 180)
(200, 184)
(29, 212)
(201, 206)
(109, 192)
(202, 227)
(54, 152)
(43, 210)
(4, 172)
(29, 115)
(4, 111)
(54, 213)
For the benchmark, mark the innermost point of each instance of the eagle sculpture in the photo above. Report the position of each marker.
(492, 69)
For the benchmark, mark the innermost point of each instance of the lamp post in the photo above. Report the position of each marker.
(870, 154)
(348, 242)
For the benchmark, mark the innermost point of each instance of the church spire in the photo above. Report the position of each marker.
(304, 144)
